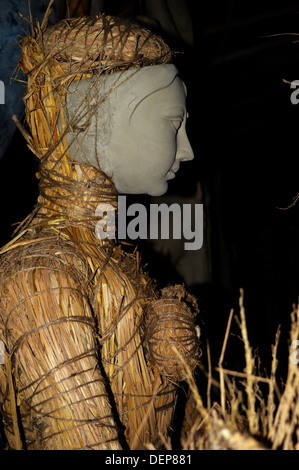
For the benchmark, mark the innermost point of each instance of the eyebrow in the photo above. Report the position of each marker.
(174, 112)
(148, 94)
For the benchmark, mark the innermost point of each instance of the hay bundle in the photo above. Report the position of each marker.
(171, 338)
(72, 309)
(50, 335)
(103, 42)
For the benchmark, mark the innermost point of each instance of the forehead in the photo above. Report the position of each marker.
(170, 99)
(134, 86)
(174, 92)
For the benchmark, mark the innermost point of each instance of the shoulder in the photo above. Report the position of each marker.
(53, 257)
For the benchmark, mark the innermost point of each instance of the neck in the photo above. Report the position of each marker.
(69, 196)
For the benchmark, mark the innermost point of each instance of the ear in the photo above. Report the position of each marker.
(87, 98)
(80, 103)
(89, 121)
(185, 88)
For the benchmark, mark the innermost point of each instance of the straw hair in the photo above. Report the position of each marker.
(104, 42)
(72, 308)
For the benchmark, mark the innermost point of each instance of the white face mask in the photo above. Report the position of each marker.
(132, 126)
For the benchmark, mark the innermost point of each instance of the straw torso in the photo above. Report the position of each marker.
(82, 370)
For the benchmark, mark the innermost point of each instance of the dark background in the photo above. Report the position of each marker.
(245, 134)
(249, 157)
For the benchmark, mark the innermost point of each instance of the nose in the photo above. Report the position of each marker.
(184, 149)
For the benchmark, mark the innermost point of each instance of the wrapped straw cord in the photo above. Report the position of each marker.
(171, 339)
(103, 43)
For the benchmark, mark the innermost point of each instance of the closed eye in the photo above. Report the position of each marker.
(176, 123)
(175, 115)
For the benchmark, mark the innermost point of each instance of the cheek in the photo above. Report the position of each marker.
(153, 142)
(167, 144)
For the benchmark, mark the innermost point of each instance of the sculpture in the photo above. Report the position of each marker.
(93, 348)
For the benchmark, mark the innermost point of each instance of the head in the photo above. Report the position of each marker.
(132, 126)
(102, 92)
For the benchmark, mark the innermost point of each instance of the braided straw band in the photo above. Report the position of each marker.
(103, 43)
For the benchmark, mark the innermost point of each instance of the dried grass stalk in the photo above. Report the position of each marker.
(284, 432)
(249, 371)
(235, 423)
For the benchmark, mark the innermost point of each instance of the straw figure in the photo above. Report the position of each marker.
(94, 351)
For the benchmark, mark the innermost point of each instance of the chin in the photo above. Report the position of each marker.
(158, 191)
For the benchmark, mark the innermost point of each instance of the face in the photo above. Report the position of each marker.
(137, 134)
(148, 140)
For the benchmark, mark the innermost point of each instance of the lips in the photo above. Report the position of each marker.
(171, 173)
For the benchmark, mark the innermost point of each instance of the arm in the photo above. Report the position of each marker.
(52, 340)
